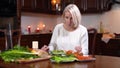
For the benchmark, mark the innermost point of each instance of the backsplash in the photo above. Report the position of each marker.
(36, 20)
(51, 20)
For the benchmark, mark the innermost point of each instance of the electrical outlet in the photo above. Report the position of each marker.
(35, 44)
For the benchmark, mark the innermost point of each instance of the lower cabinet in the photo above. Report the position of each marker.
(112, 48)
(43, 39)
(2, 44)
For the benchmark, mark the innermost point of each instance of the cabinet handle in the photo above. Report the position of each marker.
(102, 4)
(22, 2)
(84, 5)
(35, 3)
(97, 4)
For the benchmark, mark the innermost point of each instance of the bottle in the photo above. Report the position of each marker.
(101, 28)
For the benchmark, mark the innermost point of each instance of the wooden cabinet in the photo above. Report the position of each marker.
(26, 40)
(80, 4)
(112, 48)
(43, 39)
(93, 6)
(106, 4)
(27, 5)
(85, 6)
(41, 6)
(2, 44)
(88, 6)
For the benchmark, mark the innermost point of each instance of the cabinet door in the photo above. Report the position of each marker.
(105, 4)
(27, 5)
(2, 44)
(92, 6)
(88, 6)
(80, 4)
(64, 3)
(41, 5)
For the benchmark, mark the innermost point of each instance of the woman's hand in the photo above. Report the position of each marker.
(78, 49)
(45, 48)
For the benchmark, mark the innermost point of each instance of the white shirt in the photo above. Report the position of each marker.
(67, 40)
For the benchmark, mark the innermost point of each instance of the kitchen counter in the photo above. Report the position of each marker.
(38, 33)
(112, 48)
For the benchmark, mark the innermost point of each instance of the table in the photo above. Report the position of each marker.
(100, 62)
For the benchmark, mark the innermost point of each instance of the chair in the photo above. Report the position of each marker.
(92, 32)
(16, 34)
(15, 37)
(3, 32)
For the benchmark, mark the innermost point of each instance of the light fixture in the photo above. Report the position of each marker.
(56, 5)
(53, 2)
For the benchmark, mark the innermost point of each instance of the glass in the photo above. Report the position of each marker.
(8, 35)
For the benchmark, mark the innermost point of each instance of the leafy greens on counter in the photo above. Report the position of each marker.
(17, 52)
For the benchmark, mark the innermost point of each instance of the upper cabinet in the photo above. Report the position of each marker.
(90, 6)
(106, 4)
(93, 6)
(41, 6)
(57, 6)
(27, 5)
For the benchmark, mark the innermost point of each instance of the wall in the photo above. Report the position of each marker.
(110, 20)
(51, 20)
(34, 20)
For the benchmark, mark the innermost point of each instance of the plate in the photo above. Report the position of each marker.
(32, 60)
(90, 59)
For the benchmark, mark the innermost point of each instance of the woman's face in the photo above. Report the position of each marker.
(68, 19)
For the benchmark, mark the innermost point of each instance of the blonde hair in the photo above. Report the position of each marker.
(75, 12)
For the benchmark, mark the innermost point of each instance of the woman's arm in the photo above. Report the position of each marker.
(84, 42)
(55, 34)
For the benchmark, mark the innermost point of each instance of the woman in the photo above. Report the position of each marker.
(69, 35)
